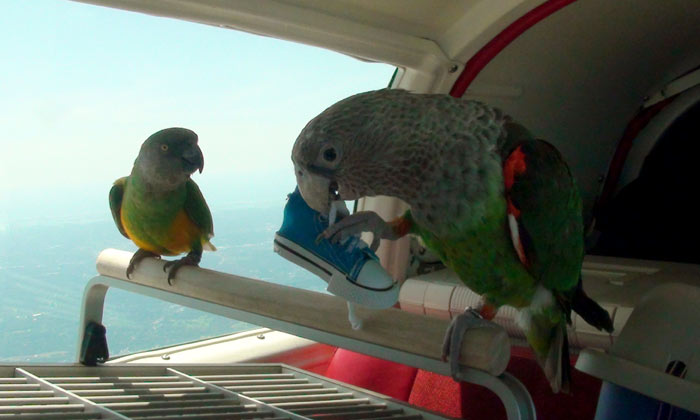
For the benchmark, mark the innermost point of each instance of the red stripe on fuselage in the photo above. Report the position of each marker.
(484, 56)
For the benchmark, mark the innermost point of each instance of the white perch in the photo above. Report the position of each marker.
(486, 349)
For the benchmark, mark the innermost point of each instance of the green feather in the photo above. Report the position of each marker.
(116, 194)
(196, 208)
(484, 259)
(150, 215)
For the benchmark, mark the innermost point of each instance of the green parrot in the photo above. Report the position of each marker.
(498, 207)
(159, 207)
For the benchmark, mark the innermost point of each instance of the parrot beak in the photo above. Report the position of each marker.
(193, 159)
(317, 190)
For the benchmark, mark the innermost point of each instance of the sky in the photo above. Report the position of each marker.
(82, 86)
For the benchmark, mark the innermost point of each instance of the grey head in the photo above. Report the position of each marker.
(168, 157)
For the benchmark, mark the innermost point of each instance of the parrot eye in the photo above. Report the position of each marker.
(330, 154)
(164, 147)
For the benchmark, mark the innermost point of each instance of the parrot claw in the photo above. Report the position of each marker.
(192, 258)
(319, 238)
(355, 224)
(452, 343)
(136, 258)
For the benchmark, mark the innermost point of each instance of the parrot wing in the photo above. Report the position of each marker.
(116, 194)
(544, 215)
(546, 227)
(198, 211)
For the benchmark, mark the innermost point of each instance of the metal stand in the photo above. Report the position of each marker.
(370, 340)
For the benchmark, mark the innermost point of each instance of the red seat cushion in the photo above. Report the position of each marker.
(437, 393)
(388, 378)
(579, 405)
(462, 400)
(442, 394)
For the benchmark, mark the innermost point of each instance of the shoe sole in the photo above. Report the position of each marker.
(338, 282)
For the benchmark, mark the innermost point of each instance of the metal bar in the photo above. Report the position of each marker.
(375, 408)
(15, 394)
(282, 387)
(304, 397)
(33, 401)
(350, 415)
(169, 404)
(41, 408)
(283, 393)
(211, 378)
(106, 400)
(231, 408)
(53, 416)
(109, 379)
(261, 382)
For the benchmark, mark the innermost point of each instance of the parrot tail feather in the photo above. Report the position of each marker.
(544, 324)
(589, 309)
(206, 243)
(565, 362)
(557, 365)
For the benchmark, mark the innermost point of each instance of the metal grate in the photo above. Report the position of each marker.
(156, 392)
(23, 399)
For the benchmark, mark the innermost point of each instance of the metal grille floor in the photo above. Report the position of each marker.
(159, 392)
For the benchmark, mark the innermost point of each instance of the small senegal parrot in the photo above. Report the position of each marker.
(497, 206)
(159, 207)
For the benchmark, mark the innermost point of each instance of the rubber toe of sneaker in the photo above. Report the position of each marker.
(374, 287)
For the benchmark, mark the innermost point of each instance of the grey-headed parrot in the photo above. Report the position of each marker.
(498, 206)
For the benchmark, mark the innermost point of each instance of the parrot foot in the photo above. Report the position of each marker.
(355, 224)
(193, 258)
(452, 343)
(138, 256)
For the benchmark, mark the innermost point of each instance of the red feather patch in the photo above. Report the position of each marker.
(488, 311)
(514, 166)
(400, 226)
(512, 209)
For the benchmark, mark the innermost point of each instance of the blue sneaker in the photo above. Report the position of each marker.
(350, 268)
